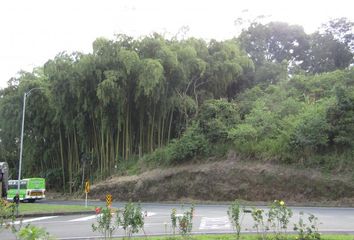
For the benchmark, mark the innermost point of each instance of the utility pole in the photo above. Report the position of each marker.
(22, 130)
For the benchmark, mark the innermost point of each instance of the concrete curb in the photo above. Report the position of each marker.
(55, 214)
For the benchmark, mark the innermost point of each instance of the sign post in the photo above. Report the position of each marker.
(87, 190)
(108, 200)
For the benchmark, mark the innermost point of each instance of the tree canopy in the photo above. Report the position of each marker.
(274, 92)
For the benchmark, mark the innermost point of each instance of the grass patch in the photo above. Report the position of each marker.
(243, 237)
(30, 208)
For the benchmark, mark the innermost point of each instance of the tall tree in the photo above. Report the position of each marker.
(275, 42)
(342, 29)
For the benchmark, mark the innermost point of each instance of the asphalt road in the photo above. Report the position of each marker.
(207, 219)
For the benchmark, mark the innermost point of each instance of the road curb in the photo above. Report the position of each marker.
(55, 214)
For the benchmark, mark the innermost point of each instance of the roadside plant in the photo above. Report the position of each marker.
(278, 218)
(185, 223)
(6, 214)
(31, 232)
(104, 222)
(131, 219)
(8, 217)
(307, 231)
(174, 220)
(236, 214)
(261, 227)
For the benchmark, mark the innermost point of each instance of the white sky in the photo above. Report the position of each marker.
(33, 31)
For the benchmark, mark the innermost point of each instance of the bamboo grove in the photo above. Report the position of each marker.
(127, 98)
(94, 112)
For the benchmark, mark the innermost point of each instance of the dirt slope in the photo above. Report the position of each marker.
(227, 181)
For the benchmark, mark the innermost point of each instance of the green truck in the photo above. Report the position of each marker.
(31, 189)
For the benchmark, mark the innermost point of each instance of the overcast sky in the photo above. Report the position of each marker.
(33, 31)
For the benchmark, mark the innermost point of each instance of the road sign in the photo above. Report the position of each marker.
(108, 200)
(87, 187)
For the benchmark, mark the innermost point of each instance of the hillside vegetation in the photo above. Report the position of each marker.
(227, 180)
(273, 94)
(307, 120)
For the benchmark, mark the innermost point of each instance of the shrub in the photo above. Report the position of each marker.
(130, 218)
(184, 222)
(236, 214)
(193, 143)
(104, 222)
(276, 219)
(31, 232)
(215, 118)
(307, 231)
(6, 214)
(259, 224)
(311, 132)
(174, 220)
(8, 217)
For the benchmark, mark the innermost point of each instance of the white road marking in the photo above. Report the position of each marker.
(84, 218)
(149, 214)
(215, 223)
(34, 219)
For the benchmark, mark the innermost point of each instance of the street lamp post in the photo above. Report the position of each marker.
(25, 95)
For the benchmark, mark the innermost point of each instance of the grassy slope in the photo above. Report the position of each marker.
(228, 180)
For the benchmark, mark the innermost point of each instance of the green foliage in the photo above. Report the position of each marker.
(174, 220)
(150, 77)
(215, 118)
(191, 144)
(276, 42)
(131, 219)
(309, 230)
(259, 222)
(305, 120)
(7, 215)
(167, 98)
(31, 232)
(260, 132)
(340, 117)
(271, 73)
(129, 97)
(247, 99)
(276, 219)
(328, 53)
(129, 166)
(311, 132)
(104, 223)
(185, 223)
(236, 214)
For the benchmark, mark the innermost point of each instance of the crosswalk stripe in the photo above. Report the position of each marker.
(215, 223)
(34, 219)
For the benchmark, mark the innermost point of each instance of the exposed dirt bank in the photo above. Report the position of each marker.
(227, 181)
